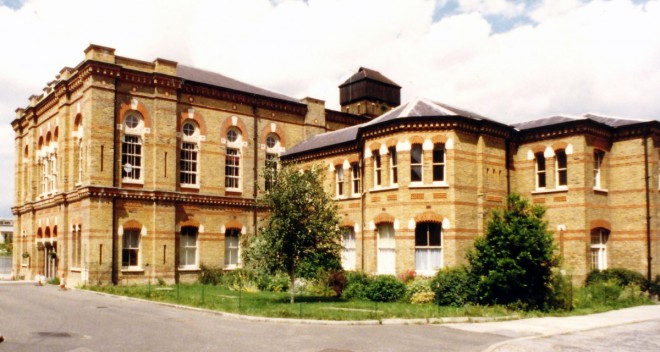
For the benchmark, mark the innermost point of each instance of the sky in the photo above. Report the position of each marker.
(508, 60)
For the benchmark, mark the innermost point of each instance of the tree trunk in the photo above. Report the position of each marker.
(292, 287)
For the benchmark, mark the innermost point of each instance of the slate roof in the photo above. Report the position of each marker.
(555, 120)
(366, 73)
(418, 107)
(216, 79)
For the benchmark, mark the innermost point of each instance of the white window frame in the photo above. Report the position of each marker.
(559, 169)
(378, 169)
(599, 156)
(348, 252)
(414, 165)
(340, 189)
(598, 249)
(386, 259)
(233, 179)
(138, 249)
(394, 166)
(540, 173)
(131, 154)
(187, 248)
(189, 164)
(355, 179)
(439, 164)
(232, 249)
(427, 254)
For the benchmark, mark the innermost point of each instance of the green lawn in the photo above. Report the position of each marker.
(274, 304)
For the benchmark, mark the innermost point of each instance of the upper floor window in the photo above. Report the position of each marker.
(339, 174)
(188, 247)
(378, 169)
(189, 156)
(270, 170)
(232, 168)
(599, 155)
(131, 158)
(131, 148)
(599, 239)
(439, 163)
(394, 166)
(355, 172)
(540, 170)
(561, 167)
(416, 163)
(233, 160)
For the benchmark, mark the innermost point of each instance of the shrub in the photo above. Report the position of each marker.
(386, 288)
(513, 263)
(422, 297)
(407, 276)
(453, 286)
(274, 283)
(337, 282)
(207, 275)
(417, 286)
(654, 286)
(599, 293)
(54, 281)
(356, 285)
(240, 280)
(620, 276)
(561, 296)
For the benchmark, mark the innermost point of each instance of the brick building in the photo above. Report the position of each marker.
(151, 169)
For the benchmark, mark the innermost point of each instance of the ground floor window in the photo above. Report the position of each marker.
(599, 249)
(232, 248)
(130, 249)
(348, 248)
(428, 248)
(188, 247)
(386, 249)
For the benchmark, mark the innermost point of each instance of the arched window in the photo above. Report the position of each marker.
(189, 155)
(130, 252)
(599, 155)
(339, 178)
(386, 249)
(378, 169)
(272, 159)
(439, 162)
(428, 248)
(416, 163)
(539, 159)
(599, 239)
(355, 172)
(348, 248)
(188, 247)
(561, 168)
(233, 160)
(131, 148)
(232, 250)
(394, 166)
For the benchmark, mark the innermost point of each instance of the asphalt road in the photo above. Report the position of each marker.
(34, 318)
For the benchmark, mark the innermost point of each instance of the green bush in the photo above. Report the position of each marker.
(54, 281)
(273, 283)
(207, 275)
(337, 282)
(417, 286)
(240, 280)
(654, 286)
(599, 293)
(356, 285)
(620, 276)
(422, 297)
(386, 288)
(453, 286)
(561, 296)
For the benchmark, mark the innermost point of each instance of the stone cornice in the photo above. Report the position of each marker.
(129, 194)
(321, 153)
(345, 118)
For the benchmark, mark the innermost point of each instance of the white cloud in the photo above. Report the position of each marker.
(599, 56)
(492, 7)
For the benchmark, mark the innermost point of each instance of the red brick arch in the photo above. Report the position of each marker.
(416, 140)
(347, 223)
(384, 218)
(125, 107)
(132, 225)
(239, 124)
(233, 224)
(538, 148)
(439, 139)
(197, 117)
(429, 216)
(600, 223)
(278, 131)
(189, 223)
(559, 145)
(391, 142)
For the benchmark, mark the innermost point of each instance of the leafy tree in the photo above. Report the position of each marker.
(513, 263)
(301, 236)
